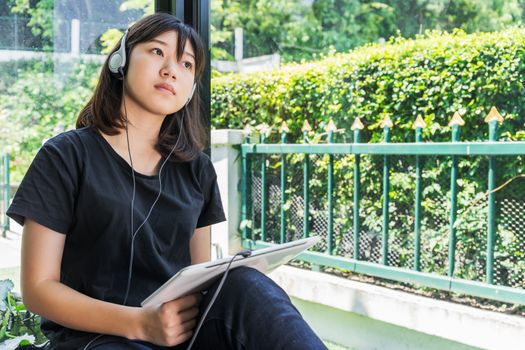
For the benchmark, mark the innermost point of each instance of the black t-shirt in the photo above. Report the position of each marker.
(79, 186)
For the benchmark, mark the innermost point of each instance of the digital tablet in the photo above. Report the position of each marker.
(197, 278)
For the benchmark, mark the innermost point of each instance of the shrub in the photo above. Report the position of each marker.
(18, 327)
(434, 75)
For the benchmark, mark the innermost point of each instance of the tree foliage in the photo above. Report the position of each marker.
(38, 105)
(41, 14)
(299, 30)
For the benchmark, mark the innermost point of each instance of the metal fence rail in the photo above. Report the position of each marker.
(254, 180)
(5, 192)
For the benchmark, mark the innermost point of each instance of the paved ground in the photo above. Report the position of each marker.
(10, 255)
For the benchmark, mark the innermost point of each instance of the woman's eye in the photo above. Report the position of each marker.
(188, 65)
(157, 51)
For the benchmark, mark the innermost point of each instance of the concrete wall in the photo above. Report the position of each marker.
(355, 331)
(227, 162)
(364, 316)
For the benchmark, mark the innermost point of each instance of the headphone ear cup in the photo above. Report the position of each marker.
(117, 60)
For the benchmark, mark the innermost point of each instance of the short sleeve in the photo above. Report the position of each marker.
(212, 211)
(48, 190)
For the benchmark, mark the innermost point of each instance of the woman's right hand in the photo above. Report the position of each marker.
(171, 323)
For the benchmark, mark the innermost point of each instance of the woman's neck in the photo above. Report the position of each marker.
(142, 140)
(143, 126)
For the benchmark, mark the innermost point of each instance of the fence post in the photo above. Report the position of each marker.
(493, 118)
(330, 129)
(16, 32)
(284, 130)
(264, 186)
(246, 224)
(306, 182)
(386, 124)
(419, 124)
(357, 126)
(455, 123)
(7, 194)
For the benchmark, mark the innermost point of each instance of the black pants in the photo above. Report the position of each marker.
(251, 312)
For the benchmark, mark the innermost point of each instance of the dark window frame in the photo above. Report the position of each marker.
(197, 14)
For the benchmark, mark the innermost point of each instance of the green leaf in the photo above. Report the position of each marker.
(15, 342)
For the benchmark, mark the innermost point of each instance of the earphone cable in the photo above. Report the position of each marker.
(129, 148)
(134, 234)
(245, 254)
(126, 122)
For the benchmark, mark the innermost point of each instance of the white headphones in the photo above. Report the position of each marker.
(117, 62)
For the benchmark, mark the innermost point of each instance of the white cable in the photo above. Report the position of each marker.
(151, 208)
(245, 254)
(91, 341)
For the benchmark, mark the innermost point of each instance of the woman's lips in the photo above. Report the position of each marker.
(165, 88)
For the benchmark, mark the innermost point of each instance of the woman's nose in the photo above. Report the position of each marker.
(169, 71)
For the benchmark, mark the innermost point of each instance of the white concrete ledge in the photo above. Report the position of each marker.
(459, 323)
(227, 137)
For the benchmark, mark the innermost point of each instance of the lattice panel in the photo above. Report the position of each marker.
(274, 212)
(346, 247)
(471, 244)
(256, 202)
(401, 250)
(370, 246)
(318, 227)
(509, 265)
(295, 218)
(435, 215)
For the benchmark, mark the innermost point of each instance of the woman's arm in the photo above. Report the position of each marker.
(42, 248)
(200, 245)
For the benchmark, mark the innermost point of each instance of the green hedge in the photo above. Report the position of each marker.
(434, 76)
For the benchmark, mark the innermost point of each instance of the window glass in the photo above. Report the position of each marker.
(51, 52)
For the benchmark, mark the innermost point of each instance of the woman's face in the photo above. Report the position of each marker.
(155, 80)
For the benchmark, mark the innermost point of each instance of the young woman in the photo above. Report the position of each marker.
(113, 209)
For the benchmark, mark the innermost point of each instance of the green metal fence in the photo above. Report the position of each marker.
(356, 240)
(5, 192)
